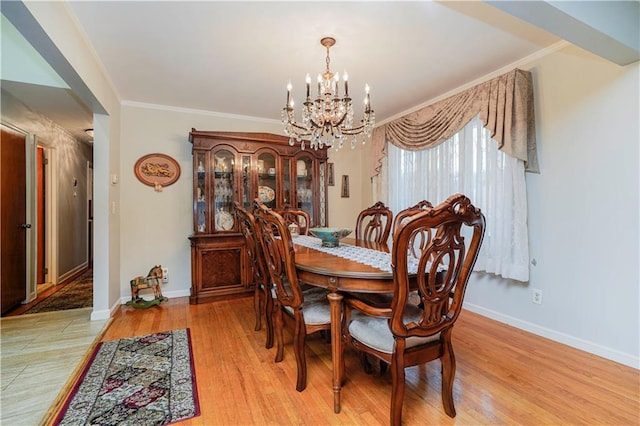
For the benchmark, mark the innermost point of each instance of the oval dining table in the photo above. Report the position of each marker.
(338, 274)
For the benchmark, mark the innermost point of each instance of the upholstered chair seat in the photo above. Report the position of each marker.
(316, 306)
(374, 332)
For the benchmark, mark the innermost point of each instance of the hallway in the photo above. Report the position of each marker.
(75, 294)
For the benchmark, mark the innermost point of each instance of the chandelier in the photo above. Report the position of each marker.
(327, 121)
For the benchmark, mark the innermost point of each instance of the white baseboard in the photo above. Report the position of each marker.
(73, 272)
(108, 313)
(584, 345)
(170, 294)
(105, 313)
(178, 293)
(102, 314)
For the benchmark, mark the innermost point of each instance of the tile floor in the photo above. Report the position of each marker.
(38, 354)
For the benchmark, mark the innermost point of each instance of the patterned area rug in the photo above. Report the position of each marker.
(146, 380)
(76, 294)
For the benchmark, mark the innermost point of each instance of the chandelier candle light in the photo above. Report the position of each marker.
(327, 120)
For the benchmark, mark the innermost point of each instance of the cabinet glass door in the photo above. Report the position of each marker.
(305, 185)
(200, 194)
(286, 179)
(246, 183)
(267, 173)
(223, 190)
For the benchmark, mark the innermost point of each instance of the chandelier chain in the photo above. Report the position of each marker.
(328, 73)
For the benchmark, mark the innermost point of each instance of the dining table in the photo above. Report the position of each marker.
(355, 266)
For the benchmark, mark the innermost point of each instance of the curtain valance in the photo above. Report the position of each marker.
(504, 104)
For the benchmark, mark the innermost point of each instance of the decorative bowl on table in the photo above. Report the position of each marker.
(330, 237)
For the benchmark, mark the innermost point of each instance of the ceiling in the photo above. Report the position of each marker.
(237, 57)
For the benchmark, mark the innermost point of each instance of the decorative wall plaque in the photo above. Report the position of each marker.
(157, 170)
(331, 178)
(345, 186)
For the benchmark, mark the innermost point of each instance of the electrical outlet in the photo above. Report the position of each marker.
(536, 296)
(165, 275)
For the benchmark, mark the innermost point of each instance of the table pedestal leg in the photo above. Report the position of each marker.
(335, 301)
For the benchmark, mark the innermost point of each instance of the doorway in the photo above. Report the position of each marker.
(45, 289)
(45, 198)
(14, 226)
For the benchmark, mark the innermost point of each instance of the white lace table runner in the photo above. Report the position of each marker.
(377, 259)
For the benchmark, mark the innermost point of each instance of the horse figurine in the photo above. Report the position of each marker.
(152, 281)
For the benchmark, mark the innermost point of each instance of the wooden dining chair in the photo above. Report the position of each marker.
(403, 215)
(297, 216)
(374, 223)
(419, 240)
(405, 334)
(306, 311)
(262, 299)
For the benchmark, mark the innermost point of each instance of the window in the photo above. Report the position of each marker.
(470, 163)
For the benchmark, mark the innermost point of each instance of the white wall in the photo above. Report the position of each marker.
(56, 37)
(156, 225)
(353, 163)
(583, 211)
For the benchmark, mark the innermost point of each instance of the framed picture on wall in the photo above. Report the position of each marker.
(345, 186)
(157, 170)
(330, 175)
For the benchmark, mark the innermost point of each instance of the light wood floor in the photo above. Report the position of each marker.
(39, 353)
(504, 376)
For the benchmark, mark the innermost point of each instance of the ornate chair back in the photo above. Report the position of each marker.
(248, 229)
(403, 215)
(297, 216)
(374, 223)
(442, 268)
(262, 301)
(279, 255)
(420, 239)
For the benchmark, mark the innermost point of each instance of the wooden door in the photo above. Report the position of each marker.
(13, 218)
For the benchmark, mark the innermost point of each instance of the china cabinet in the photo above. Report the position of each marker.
(228, 167)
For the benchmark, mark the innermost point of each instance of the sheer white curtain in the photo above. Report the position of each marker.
(470, 163)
